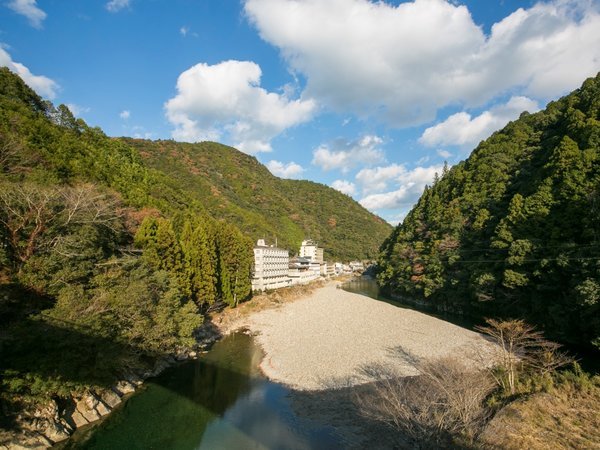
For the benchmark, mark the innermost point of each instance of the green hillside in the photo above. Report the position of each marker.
(49, 145)
(235, 187)
(515, 229)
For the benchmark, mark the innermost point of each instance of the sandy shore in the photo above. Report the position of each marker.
(323, 340)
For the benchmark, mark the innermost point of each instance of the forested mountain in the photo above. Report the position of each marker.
(515, 229)
(235, 187)
(98, 277)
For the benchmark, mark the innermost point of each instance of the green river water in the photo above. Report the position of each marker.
(220, 401)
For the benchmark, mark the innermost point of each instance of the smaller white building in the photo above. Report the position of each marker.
(310, 250)
(331, 270)
(271, 265)
(324, 267)
(302, 270)
(357, 266)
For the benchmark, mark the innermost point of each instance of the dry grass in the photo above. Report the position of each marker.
(566, 418)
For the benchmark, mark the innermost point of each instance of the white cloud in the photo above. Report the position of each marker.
(444, 154)
(117, 5)
(403, 62)
(29, 9)
(345, 155)
(125, 114)
(345, 187)
(377, 179)
(44, 86)
(408, 184)
(77, 110)
(466, 131)
(184, 31)
(139, 132)
(146, 135)
(283, 170)
(226, 99)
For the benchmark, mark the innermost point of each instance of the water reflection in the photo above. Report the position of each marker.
(218, 402)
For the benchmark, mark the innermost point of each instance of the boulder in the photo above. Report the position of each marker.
(78, 419)
(90, 414)
(90, 401)
(110, 399)
(66, 425)
(37, 443)
(102, 408)
(55, 432)
(124, 387)
(134, 379)
(48, 411)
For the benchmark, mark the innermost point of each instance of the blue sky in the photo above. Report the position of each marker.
(368, 97)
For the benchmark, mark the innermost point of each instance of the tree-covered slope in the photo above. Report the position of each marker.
(237, 188)
(515, 229)
(49, 145)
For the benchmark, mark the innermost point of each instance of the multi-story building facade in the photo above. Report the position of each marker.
(271, 266)
(331, 269)
(309, 249)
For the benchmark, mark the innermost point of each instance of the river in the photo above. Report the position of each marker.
(220, 401)
(366, 285)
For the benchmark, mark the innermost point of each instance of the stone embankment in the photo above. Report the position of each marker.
(41, 426)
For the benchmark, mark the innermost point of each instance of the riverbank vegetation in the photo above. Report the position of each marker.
(514, 230)
(522, 400)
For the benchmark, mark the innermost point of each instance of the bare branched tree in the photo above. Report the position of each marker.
(522, 348)
(28, 212)
(25, 212)
(446, 400)
(14, 156)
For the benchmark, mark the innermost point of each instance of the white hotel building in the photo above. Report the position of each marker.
(273, 268)
(309, 249)
(271, 265)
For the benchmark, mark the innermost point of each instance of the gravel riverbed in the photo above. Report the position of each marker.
(326, 339)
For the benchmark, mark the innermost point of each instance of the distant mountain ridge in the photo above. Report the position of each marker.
(515, 229)
(49, 145)
(234, 186)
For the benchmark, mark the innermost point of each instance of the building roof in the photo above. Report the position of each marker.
(261, 244)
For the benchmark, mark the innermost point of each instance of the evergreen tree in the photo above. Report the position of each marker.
(199, 257)
(235, 259)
